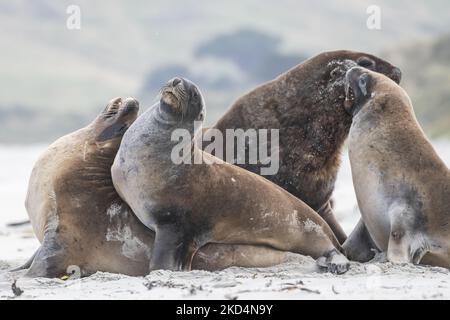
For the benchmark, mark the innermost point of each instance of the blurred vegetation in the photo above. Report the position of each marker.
(254, 56)
(426, 78)
(54, 80)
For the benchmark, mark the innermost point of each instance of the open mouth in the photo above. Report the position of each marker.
(349, 96)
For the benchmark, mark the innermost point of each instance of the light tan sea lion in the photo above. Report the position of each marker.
(402, 186)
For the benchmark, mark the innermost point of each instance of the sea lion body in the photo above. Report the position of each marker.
(73, 207)
(306, 105)
(83, 224)
(401, 184)
(190, 205)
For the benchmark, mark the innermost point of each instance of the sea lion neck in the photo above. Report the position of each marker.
(155, 134)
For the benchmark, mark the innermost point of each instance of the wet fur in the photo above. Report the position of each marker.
(401, 184)
(306, 105)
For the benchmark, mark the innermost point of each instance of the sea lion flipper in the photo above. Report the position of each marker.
(334, 262)
(359, 246)
(172, 250)
(327, 213)
(49, 260)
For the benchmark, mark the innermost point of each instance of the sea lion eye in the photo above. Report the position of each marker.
(362, 83)
(367, 63)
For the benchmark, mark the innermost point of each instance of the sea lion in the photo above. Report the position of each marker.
(306, 105)
(401, 184)
(192, 204)
(83, 223)
(73, 207)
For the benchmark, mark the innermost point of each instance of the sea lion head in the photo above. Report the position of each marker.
(319, 83)
(363, 86)
(328, 71)
(182, 101)
(336, 63)
(111, 124)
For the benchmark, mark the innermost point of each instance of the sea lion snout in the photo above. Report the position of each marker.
(129, 105)
(117, 117)
(181, 97)
(174, 93)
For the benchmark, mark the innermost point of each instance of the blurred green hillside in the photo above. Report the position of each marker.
(54, 80)
(426, 70)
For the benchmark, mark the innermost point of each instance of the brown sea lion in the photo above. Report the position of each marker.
(192, 204)
(82, 223)
(306, 105)
(402, 186)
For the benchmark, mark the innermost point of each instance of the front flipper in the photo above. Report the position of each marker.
(334, 262)
(173, 249)
(359, 246)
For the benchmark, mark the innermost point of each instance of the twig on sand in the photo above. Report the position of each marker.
(310, 291)
(15, 289)
(18, 224)
(299, 285)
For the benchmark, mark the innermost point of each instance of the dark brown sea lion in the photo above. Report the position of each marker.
(402, 186)
(191, 204)
(306, 105)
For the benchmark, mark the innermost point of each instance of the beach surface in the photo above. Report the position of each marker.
(298, 278)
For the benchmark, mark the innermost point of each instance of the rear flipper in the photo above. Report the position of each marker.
(318, 241)
(334, 262)
(359, 246)
(27, 264)
(50, 259)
